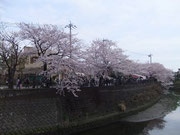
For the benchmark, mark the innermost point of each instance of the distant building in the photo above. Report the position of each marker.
(31, 66)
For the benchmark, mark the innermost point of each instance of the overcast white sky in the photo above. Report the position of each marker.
(139, 26)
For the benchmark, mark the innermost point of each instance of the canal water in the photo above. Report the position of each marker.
(163, 118)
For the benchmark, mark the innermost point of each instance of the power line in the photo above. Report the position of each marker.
(9, 24)
(142, 54)
(136, 52)
(71, 26)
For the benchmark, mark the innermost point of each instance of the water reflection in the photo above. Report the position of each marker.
(128, 128)
(121, 128)
(167, 125)
(171, 125)
(158, 124)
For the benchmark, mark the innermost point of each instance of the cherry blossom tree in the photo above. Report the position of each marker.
(68, 65)
(46, 39)
(103, 57)
(10, 53)
(155, 70)
(55, 51)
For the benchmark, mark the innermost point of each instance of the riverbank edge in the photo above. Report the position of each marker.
(86, 124)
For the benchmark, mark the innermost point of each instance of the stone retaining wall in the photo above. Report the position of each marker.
(37, 110)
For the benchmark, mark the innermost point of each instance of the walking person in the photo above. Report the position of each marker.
(27, 82)
(34, 82)
(18, 83)
(6, 83)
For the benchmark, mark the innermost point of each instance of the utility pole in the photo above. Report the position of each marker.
(104, 40)
(150, 57)
(70, 26)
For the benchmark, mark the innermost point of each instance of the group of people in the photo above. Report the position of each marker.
(84, 81)
(43, 82)
(102, 81)
(20, 83)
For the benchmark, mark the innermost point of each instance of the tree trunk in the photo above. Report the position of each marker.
(45, 74)
(10, 79)
(44, 66)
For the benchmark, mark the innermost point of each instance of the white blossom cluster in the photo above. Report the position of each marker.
(65, 57)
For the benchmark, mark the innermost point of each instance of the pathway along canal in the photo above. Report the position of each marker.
(163, 118)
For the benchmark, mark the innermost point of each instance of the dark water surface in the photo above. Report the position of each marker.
(161, 119)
